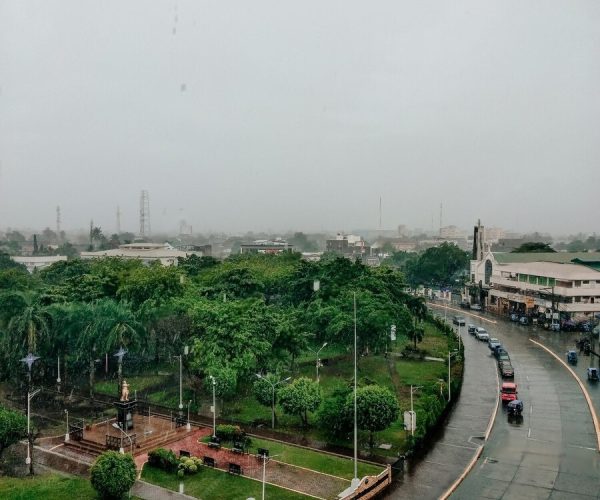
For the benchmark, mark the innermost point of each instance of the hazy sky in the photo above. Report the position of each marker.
(253, 115)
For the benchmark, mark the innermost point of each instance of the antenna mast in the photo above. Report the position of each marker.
(144, 214)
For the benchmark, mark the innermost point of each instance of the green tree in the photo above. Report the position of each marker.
(438, 265)
(30, 325)
(334, 416)
(13, 427)
(534, 247)
(113, 474)
(151, 286)
(300, 397)
(376, 409)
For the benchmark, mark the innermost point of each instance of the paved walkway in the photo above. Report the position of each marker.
(149, 491)
(464, 429)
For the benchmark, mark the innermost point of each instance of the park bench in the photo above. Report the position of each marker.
(184, 453)
(214, 442)
(209, 462)
(235, 469)
(238, 447)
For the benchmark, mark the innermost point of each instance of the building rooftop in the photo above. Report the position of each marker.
(557, 257)
(552, 270)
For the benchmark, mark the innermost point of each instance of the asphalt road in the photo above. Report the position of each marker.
(549, 454)
(459, 439)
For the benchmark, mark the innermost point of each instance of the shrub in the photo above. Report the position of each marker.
(113, 474)
(163, 459)
(188, 465)
(229, 432)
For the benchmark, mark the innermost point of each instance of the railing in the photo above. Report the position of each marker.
(118, 442)
(76, 429)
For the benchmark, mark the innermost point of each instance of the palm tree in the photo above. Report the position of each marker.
(30, 325)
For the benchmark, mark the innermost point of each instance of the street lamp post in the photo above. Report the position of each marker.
(29, 360)
(30, 396)
(273, 385)
(214, 408)
(188, 426)
(265, 457)
(180, 382)
(449, 392)
(58, 367)
(355, 480)
(412, 411)
(318, 360)
(68, 434)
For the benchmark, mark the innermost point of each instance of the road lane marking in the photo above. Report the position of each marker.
(583, 389)
(529, 433)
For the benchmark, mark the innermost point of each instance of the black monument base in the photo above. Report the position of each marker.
(125, 411)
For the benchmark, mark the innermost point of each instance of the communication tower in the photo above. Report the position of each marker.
(144, 214)
(58, 224)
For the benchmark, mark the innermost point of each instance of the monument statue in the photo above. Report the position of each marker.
(125, 391)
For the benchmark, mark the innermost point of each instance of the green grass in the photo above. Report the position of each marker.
(420, 372)
(212, 484)
(139, 383)
(321, 462)
(46, 486)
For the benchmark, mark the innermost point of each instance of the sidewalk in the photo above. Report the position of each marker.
(463, 432)
(149, 491)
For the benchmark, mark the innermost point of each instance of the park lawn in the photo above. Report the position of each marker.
(314, 460)
(139, 383)
(214, 484)
(46, 486)
(420, 372)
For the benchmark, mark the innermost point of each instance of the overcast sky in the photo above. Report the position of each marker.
(255, 115)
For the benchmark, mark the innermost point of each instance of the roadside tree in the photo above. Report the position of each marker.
(300, 397)
(113, 474)
(376, 407)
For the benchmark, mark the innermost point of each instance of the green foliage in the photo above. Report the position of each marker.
(334, 416)
(113, 474)
(163, 459)
(438, 265)
(263, 389)
(13, 427)
(225, 381)
(376, 408)
(194, 265)
(188, 465)
(302, 243)
(7, 263)
(300, 397)
(534, 247)
(229, 432)
(151, 286)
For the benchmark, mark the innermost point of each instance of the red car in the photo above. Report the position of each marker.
(508, 392)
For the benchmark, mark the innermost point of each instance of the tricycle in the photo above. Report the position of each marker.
(515, 408)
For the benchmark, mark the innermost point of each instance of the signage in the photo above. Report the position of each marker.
(410, 421)
(393, 332)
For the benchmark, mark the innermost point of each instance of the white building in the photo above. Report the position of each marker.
(561, 282)
(39, 261)
(146, 252)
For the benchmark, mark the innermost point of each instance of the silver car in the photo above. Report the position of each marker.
(482, 334)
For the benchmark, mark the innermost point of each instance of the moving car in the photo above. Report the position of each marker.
(514, 317)
(465, 305)
(508, 392)
(476, 307)
(493, 343)
(459, 320)
(592, 374)
(506, 369)
(482, 334)
(499, 350)
(524, 320)
(471, 329)
(572, 357)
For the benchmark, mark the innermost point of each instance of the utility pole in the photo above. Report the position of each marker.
(118, 220)
(449, 393)
(58, 220)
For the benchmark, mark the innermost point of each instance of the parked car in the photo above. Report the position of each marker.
(508, 392)
(572, 357)
(482, 334)
(459, 320)
(465, 305)
(514, 317)
(506, 369)
(499, 350)
(476, 307)
(555, 327)
(592, 374)
(493, 342)
(503, 357)
(524, 320)
(471, 329)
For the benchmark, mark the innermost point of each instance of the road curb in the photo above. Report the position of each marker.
(462, 311)
(582, 387)
(479, 451)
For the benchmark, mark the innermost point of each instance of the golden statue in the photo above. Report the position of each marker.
(125, 391)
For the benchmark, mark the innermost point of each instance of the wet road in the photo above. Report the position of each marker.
(551, 453)
(462, 434)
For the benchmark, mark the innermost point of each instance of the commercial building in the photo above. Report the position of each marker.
(566, 285)
(349, 245)
(146, 252)
(267, 246)
(39, 261)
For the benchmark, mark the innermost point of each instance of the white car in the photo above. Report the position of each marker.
(482, 334)
(476, 307)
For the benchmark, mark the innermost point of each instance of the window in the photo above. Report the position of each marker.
(551, 281)
(577, 283)
(523, 277)
(542, 281)
(533, 280)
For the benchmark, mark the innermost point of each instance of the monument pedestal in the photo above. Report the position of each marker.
(125, 411)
